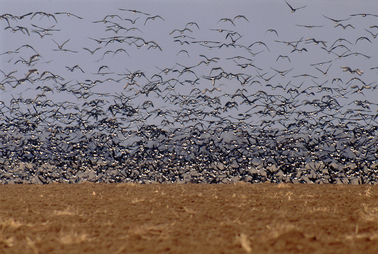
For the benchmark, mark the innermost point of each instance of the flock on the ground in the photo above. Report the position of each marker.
(227, 108)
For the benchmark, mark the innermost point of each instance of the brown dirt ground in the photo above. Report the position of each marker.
(189, 218)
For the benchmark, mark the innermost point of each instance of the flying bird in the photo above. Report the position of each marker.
(192, 24)
(240, 17)
(362, 38)
(132, 21)
(294, 9)
(153, 18)
(336, 20)
(18, 28)
(272, 31)
(103, 67)
(23, 16)
(183, 51)
(372, 34)
(44, 14)
(61, 46)
(68, 14)
(227, 20)
(181, 31)
(92, 51)
(134, 11)
(283, 57)
(344, 27)
(324, 72)
(71, 69)
(308, 26)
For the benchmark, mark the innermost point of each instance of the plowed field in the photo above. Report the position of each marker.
(188, 218)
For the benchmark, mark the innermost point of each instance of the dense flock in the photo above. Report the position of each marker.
(136, 96)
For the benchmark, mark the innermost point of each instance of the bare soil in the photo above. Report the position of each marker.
(188, 218)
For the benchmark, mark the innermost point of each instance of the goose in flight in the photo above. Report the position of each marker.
(294, 9)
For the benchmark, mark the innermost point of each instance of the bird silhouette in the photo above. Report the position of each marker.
(294, 9)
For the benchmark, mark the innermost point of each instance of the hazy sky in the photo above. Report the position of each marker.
(249, 37)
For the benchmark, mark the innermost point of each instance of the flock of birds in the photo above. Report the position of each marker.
(210, 103)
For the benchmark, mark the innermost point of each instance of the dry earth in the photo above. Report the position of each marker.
(189, 218)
